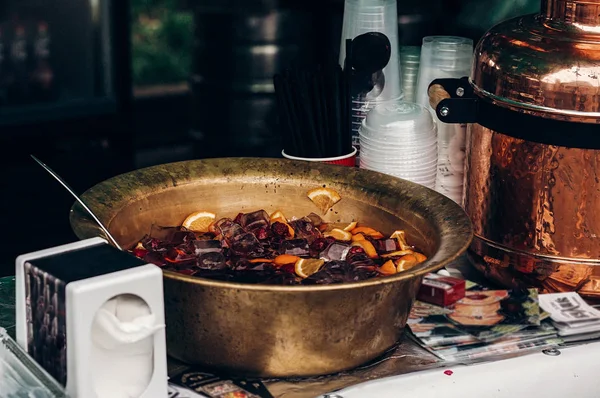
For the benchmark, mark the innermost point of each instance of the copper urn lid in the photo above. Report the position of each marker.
(547, 64)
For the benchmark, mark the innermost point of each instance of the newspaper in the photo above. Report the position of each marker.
(485, 323)
(571, 315)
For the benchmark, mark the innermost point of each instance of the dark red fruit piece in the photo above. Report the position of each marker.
(290, 268)
(140, 253)
(356, 250)
(280, 229)
(154, 243)
(262, 233)
(319, 245)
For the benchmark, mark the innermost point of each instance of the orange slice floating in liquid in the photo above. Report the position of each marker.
(305, 267)
(339, 234)
(324, 198)
(284, 259)
(199, 221)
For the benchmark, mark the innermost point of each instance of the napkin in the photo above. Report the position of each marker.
(122, 360)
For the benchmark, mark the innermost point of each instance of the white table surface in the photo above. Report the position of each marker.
(572, 374)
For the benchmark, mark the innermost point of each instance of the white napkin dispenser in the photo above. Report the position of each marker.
(93, 317)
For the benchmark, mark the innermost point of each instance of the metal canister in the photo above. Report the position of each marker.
(532, 185)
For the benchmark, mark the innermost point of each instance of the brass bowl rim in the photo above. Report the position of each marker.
(462, 221)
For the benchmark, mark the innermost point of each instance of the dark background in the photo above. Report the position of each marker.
(185, 83)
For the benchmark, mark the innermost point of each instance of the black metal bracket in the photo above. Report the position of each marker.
(456, 88)
(464, 106)
(454, 110)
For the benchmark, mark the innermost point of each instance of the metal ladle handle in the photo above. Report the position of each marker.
(90, 212)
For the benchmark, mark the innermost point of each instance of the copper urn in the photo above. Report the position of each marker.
(532, 184)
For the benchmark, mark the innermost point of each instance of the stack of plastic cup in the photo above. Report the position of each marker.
(362, 16)
(446, 57)
(410, 58)
(400, 139)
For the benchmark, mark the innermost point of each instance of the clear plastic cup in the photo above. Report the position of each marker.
(404, 138)
(416, 138)
(414, 163)
(429, 183)
(424, 161)
(363, 16)
(399, 118)
(445, 57)
(401, 148)
(400, 138)
(399, 151)
(442, 57)
(410, 59)
(453, 184)
(408, 164)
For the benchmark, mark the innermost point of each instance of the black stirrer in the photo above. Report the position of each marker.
(314, 107)
(313, 104)
(291, 95)
(284, 117)
(347, 78)
(305, 116)
(338, 98)
(305, 125)
(322, 115)
(333, 107)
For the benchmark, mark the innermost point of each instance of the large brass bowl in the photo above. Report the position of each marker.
(279, 330)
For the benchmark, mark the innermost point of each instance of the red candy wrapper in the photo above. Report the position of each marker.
(441, 290)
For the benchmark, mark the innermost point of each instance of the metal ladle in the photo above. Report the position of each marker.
(90, 212)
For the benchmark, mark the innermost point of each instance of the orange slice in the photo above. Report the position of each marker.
(406, 262)
(284, 259)
(420, 257)
(199, 221)
(351, 226)
(305, 267)
(398, 253)
(368, 231)
(358, 237)
(277, 216)
(339, 234)
(324, 198)
(336, 225)
(388, 268)
(400, 236)
(367, 247)
(260, 260)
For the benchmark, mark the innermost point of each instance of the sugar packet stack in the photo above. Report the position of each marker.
(570, 314)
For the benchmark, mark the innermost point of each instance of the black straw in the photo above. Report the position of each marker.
(313, 107)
